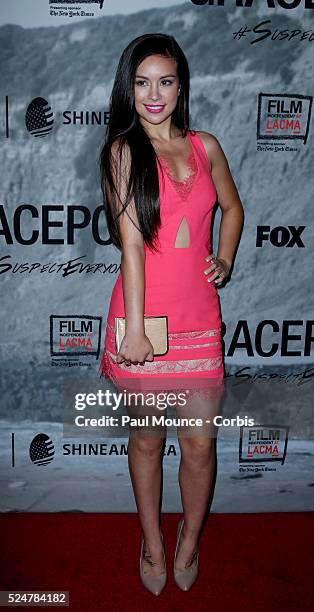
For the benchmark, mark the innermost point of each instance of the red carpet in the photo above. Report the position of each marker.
(253, 562)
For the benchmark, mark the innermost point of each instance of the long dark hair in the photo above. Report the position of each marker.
(124, 124)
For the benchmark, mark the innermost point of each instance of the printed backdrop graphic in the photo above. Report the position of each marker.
(251, 66)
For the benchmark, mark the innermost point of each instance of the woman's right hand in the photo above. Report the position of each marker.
(135, 349)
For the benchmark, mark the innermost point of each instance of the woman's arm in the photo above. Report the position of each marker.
(135, 345)
(229, 202)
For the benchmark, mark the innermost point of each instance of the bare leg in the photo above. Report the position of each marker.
(144, 459)
(196, 477)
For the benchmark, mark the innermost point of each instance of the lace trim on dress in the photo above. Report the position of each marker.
(193, 346)
(183, 187)
(199, 364)
(171, 367)
(206, 333)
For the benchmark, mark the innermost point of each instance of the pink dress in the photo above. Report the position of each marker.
(175, 283)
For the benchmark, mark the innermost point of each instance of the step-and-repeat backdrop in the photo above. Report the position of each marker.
(251, 66)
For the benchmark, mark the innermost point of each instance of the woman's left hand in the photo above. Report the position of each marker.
(221, 269)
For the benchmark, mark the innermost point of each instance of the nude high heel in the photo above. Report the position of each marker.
(185, 578)
(154, 584)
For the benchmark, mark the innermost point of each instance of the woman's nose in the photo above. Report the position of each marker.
(154, 93)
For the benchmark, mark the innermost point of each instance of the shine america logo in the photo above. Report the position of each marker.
(39, 118)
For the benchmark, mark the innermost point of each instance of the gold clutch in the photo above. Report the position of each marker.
(156, 330)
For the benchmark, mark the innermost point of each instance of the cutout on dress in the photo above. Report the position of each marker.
(183, 235)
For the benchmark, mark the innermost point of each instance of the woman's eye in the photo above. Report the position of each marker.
(163, 82)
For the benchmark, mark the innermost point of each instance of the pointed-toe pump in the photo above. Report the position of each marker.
(154, 584)
(185, 578)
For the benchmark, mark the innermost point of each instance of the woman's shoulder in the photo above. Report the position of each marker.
(211, 144)
(210, 141)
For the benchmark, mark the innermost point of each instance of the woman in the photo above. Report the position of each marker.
(160, 183)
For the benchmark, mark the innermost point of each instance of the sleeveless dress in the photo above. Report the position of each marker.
(175, 283)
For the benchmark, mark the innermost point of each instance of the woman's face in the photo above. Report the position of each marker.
(156, 88)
